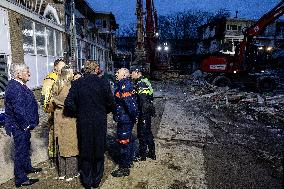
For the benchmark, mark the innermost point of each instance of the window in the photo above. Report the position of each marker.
(67, 21)
(50, 41)
(58, 44)
(79, 54)
(40, 39)
(239, 28)
(104, 24)
(47, 40)
(28, 34)
(99, 23)
(94, 52)
(228, 27)
(232, 27)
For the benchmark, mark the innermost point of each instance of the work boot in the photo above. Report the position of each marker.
(152, 155)
(139, 158)
(121, 172)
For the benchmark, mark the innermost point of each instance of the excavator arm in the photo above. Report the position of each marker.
(244, 56)
(265, 20)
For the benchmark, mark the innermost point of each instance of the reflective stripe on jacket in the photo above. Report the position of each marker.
(144, 86)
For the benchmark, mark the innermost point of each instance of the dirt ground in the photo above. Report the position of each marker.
(200, 144)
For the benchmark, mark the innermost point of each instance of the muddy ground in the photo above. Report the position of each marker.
(201, 143)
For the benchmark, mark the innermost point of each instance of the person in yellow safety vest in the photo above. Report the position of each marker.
(144, 93)
(47, 85)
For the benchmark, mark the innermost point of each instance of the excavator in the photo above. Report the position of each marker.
(223, 70)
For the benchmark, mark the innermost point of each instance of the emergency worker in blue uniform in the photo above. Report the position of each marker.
(144, 93)
(21, 110)
(125, 115)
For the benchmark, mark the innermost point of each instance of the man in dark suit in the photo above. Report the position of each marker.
(90, 99)
(21, 111)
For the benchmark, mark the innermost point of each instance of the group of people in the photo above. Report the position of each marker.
(78, 105)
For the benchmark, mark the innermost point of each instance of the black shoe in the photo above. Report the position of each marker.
(139, 158)
(87, 187)
(27, 183)
(35, 170)
(96, 185)
(121, 172)
(152, 156)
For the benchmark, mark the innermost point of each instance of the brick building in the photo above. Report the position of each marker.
(37, 32)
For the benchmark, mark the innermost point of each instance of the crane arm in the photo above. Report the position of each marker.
(265, 20)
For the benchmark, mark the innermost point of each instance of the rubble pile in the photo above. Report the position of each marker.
(257, 123)
(255, 120)
(249, 119)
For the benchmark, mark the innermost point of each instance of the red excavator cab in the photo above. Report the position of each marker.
(214, 64)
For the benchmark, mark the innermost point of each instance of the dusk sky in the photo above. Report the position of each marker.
(124, 10)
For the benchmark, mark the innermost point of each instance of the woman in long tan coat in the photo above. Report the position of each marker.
(65, 128)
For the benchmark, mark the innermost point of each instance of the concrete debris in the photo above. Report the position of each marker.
(198, 74)
(249, 119)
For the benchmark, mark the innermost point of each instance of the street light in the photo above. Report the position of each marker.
(269, 48)
(166, 48)
(162, 53)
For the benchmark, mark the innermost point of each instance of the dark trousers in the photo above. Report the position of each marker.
(67, 166)
(91, 171)
(124, 133)
(144, 135)
(22, 161)
(126, 154)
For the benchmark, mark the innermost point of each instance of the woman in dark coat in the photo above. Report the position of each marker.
(90, 99)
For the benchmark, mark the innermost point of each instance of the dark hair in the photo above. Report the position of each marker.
(56, 62)
(77, 72)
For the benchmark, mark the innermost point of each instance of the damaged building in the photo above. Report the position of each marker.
(37, 32)
(223, 34)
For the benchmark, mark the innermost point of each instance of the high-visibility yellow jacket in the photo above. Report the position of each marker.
(144, 92)
(47, 85)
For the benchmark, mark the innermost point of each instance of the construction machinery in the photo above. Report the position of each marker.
(145, 51)
(223, 69)
(140, 54)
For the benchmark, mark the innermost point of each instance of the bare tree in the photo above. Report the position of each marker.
(180, 25)
(129, 31)
(183, 25)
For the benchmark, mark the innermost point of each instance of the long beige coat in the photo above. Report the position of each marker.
(64, 127)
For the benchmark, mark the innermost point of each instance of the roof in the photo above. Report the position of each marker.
(87, 10)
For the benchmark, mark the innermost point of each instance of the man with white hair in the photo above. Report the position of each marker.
(21, 111)
(125, 114)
